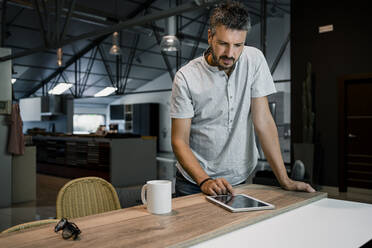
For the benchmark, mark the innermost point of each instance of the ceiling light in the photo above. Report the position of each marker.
(170, 42)
(106, 91)
(115, 49)
(59, 56)
(59, 89)
(13, 80)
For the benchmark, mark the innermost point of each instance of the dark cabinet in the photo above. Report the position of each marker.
(142, 119)
(145, 119)
(117, 112)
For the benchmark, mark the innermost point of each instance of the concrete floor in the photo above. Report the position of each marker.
(353, 194)
(43, 208)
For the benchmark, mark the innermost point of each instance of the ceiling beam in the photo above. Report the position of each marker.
(191, 37)
(107, 67)
(87, 58)
(72, 60)
(94, 16)
(41, 23)
(192, 21)
(95, 84)
(165, 58)
(96, 74)
(67, 70)
(145, 50)
(142, 7)
(77, 56)
(58, 8)
(14, 17)
(191, 6)
(280, 54)
(87, 74)
(130, 62)
(67, 20)
(200, 34)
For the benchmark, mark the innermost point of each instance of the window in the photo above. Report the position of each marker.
(87, 123)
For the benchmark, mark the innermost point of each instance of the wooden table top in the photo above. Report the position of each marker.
(192, 220)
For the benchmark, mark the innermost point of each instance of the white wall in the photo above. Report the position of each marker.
(30, 108)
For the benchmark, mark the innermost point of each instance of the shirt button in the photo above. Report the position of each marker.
(230, 97)
(232, 109)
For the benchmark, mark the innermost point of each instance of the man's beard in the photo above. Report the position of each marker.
(216, 61)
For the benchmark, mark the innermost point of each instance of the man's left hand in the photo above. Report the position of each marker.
(297, 186)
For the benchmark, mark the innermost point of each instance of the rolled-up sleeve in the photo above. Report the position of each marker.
(263, 83)
(181, 102)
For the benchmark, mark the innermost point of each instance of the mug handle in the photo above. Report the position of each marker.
(143, 198)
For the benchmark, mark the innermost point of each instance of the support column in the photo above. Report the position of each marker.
(263, 26)
(3, 23)
(5, 158)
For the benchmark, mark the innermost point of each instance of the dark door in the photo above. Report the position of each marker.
(358, 135)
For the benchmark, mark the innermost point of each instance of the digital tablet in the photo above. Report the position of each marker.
(239, 202)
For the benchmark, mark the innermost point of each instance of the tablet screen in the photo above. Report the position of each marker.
(239, 201)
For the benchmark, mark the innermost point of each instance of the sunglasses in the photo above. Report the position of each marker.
(69, 229)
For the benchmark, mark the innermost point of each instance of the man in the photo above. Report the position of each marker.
(217, 102)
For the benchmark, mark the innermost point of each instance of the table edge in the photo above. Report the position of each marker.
(233, 227)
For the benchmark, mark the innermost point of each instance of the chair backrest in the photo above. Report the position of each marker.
(86, 196)
(28, 225)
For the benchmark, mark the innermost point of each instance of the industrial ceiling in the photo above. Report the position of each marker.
(35, 29)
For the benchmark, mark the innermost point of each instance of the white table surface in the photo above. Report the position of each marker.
(324, 223)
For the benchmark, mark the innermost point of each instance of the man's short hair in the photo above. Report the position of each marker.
(233, 15)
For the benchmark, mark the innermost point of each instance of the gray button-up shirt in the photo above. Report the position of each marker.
(222, 134)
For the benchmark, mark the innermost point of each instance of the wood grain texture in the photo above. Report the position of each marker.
(192, 220)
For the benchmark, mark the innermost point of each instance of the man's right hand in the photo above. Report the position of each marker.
(218, 186)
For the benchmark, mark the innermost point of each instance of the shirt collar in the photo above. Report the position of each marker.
(214, 68)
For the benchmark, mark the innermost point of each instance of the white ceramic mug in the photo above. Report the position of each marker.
(157, 196)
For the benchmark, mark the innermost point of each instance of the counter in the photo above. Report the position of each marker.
(193, 220)
(123, 161)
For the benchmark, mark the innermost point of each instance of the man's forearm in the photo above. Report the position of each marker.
(189, 162)
(268, 136)
(192, 166)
